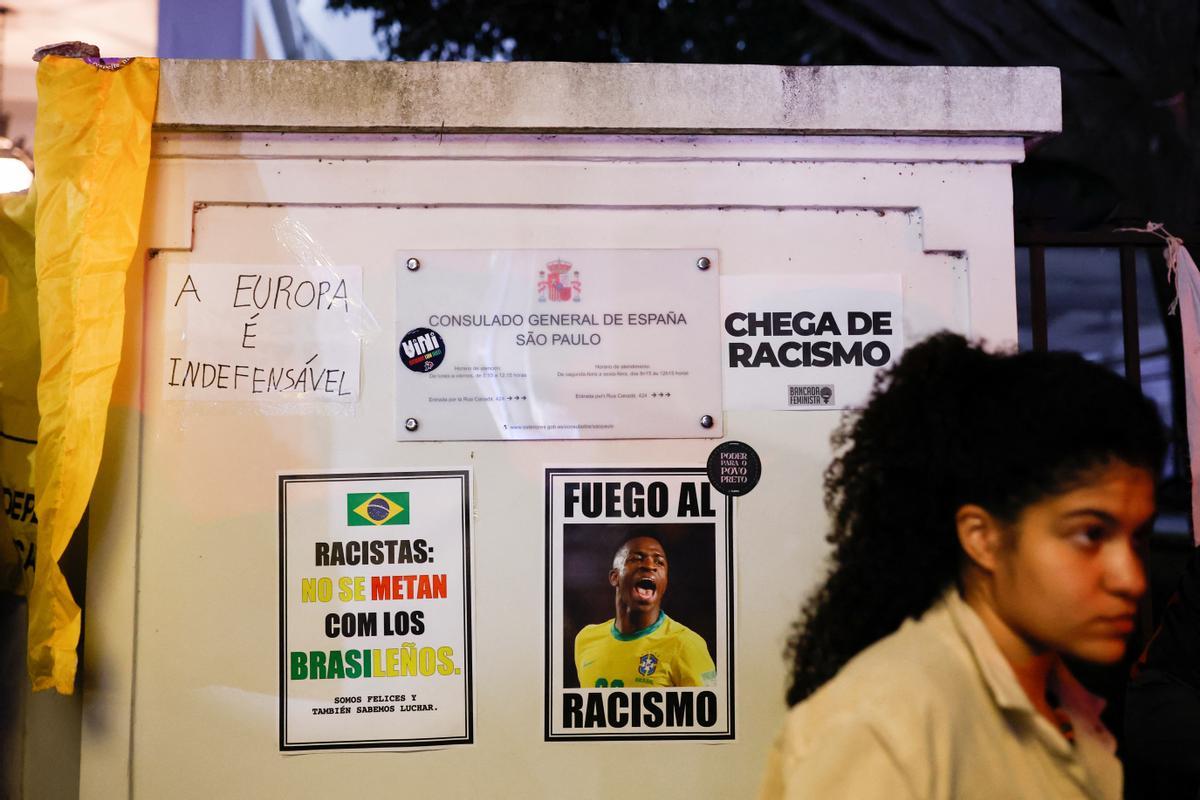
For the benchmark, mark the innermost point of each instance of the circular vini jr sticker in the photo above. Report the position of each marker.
(422, 350)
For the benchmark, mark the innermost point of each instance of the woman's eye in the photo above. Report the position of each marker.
(1091, 535)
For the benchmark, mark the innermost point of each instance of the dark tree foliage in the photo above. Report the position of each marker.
(1129, 69)
(693, 31)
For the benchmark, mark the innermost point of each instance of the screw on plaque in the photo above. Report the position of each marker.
(413, 264)
(411, 424)
(706, 421)
(703, 263)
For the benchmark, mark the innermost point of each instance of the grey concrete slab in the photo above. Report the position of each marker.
(532, 97)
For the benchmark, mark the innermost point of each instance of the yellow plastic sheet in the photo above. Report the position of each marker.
(18, 392)
(91, 156)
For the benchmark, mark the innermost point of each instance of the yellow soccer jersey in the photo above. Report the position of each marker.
(664, 654)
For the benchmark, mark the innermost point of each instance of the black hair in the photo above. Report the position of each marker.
(643, 533)
(952, 424)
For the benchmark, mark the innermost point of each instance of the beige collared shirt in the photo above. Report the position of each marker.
(934, 712)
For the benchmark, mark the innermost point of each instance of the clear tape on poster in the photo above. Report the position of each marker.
(298, 240)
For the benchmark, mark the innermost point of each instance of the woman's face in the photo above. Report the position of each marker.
(1071, 575)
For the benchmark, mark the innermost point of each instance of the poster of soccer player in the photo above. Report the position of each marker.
(639, 605)
(375, 610)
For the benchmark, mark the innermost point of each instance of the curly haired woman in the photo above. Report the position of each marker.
(987, 511)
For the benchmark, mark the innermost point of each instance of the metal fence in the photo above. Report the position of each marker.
(1106, 295)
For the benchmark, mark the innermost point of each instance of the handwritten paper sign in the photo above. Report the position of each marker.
(262, 333)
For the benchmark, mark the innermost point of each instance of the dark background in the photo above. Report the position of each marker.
(1130, 69)
(691, 596)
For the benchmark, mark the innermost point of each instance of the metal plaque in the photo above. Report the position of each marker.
(557, 344)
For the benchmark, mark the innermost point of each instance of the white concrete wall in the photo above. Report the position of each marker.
(183, 586)
(181, 656)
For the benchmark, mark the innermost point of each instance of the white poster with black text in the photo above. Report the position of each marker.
(639, 605)
(808, 342)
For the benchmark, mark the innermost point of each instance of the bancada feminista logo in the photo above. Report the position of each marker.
(377, 508)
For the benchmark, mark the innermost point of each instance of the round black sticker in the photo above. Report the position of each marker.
(734, 468)
(422, 350)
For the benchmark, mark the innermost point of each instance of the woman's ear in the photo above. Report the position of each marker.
(979, 534)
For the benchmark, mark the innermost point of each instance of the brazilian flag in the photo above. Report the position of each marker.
(377, 508)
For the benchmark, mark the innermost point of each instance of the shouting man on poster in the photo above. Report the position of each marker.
(641, 646)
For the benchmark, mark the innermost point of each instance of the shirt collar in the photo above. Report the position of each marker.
(1082, 707)
(646, 631)
(998, 673)
(993, 666)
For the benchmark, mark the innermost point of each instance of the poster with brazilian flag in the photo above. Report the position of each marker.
(375, 610)
(377, 508)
